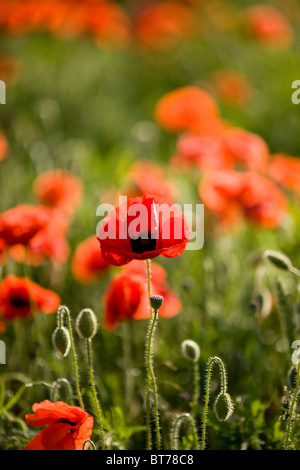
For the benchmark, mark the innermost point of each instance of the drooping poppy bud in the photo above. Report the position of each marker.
(223, 406)
(278, 259)
(190, 350)
(61, 340)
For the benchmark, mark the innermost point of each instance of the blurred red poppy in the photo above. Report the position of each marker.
(246, 149)
(141, 228)
(127, 299)
(233, 87)
(145, 177)
(58, 189)
(21, 298)
(162, 24)
(21, 223)
(269, 25)
(233, 196)
(3, 146)
(67, 427)
(285, 169)
(87, 264)
(188, 109)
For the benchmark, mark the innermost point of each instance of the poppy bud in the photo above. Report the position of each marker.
(278, 259)
(292, 377)
(86, 323)
(156, 301)
(190, 350)
(223, 406)
(61, 340)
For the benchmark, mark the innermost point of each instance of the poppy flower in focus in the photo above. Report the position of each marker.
(162, 24)
(20, 298)
(143, 228)
(269, 25)
(3, 147)
(285, 169)
(188, 109)
(58, 189)
(126, 298)
(148, 178)
(67, 427)
(87, 265)
(21, 223)
(246, 149)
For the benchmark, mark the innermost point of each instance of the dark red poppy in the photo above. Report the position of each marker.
(126, 298)
(142, 228)
(21, 223)
(87, 265)
(67, 427)
(21, 298)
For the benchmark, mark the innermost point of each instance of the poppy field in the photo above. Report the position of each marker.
(149, 225)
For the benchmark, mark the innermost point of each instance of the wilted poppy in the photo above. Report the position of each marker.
(58, 189)
(21, 223)
(127, 299)
(88, 264)
(269, 25)
(188, 109)
(21, 298)
(67, 427)
(141, 228)
(285, 169)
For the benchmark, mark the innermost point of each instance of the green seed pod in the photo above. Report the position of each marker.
(86, 323)
(61, 340)
(190, 350)
(156, 301)
(278, 259)
(223, 406)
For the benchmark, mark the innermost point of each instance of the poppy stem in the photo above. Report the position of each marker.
(175, 434)
(97, 404)
(127, 364)
(287, 441)
(63, 309)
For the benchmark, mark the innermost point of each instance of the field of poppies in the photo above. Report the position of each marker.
(149, 225)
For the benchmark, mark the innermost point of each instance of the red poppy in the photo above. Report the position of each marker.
(285, 169)
(127, 299)
(87, 265)
(149, 178)
(67, 427)
(246, 149)
(188, 109)
(3, 147)
(20, 298)
(233, 87)
(58, 189)
(269, 25)
(233, 196)
(141, 228)
(21, 223)
(162, 24)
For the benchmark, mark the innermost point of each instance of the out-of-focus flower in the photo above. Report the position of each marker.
(148, 178)
(188, 109)
(202, 152)
(10, 68)
(58, 189)
(21, 223)
(3, 147)
(162, 24)
(269, 25)
(285, 169)
(67, 427)
(246, 149)
(141, 228)
(21, 298)
(233, 87)
(87, 265)
(127, 299)
(234, 196)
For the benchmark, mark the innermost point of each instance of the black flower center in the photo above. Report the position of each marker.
(18, 302)
(141, 244)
